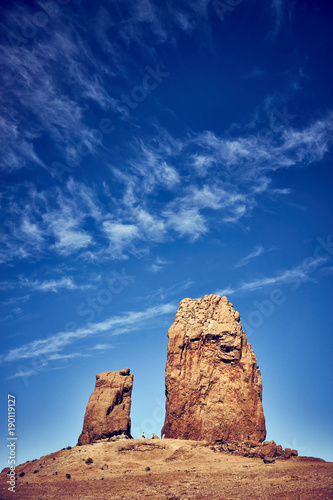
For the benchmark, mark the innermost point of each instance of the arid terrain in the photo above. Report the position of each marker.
(166, 469)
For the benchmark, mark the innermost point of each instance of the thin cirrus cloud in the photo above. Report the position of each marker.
(296, 275)
(24, 372)
(174, 290)
(158, 264)
(236, 173)
(34, 84)
(258, 250)
(65, 282)
(53, 285)
(47, 220)
(102, 347)
(51, 347)
(40, 74)
(120, 236)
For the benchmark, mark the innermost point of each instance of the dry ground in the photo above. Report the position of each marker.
(178, 470)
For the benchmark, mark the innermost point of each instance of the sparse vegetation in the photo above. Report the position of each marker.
(21, 474)
(68, 476)
(89, 461)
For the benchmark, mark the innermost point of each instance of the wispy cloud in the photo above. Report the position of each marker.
(51, 347)
(186, 222)
(282, 11)
(55, 77)
(103, 347)
(57, 357)
(278, 9)
(258, 250)
(121, 237)
(23, 373)
(211, 181)
(52, 285)
(9, 285)
(153, 167)
(66, 283)
(296, 274)
(48, 220)
(35, 73)
(158, 264)
(175, 290)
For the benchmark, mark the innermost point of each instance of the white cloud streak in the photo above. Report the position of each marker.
(51, 346)
(296, 274)
(66, 283)
(210, 180)
(258, 250)
(103, 347)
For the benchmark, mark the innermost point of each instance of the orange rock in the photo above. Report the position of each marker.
(268, 449)
(108, 409)
(213, 384)
(279, 450)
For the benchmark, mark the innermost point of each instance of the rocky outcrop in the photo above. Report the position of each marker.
(108, 409)
(213, 384)
(268, 450)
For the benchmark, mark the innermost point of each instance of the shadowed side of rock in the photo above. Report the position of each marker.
(108, 409)
(213, 383)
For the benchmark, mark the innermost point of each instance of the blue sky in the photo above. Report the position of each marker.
(150, 152)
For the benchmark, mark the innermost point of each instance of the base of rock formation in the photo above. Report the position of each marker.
(252, 449)
(167, 469)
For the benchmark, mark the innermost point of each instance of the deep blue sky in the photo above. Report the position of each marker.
(153, 151)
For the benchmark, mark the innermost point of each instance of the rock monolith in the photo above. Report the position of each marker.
(108, 409)
(212, 381)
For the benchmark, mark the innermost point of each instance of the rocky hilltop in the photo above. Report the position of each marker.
(212, 381)
(108, 409)
(213, 409)
(166, 469)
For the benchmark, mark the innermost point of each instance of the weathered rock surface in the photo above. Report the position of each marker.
(252, 449)
(108, 409)
(213, 383)
(268, 449)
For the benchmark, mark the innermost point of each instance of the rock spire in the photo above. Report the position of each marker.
(108, 409)
(213, 383)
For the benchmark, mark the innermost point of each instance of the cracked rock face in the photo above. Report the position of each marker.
(213, 384)
(108, 409)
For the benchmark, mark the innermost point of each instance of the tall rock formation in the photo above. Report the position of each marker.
(108, 409)
(213, 384)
